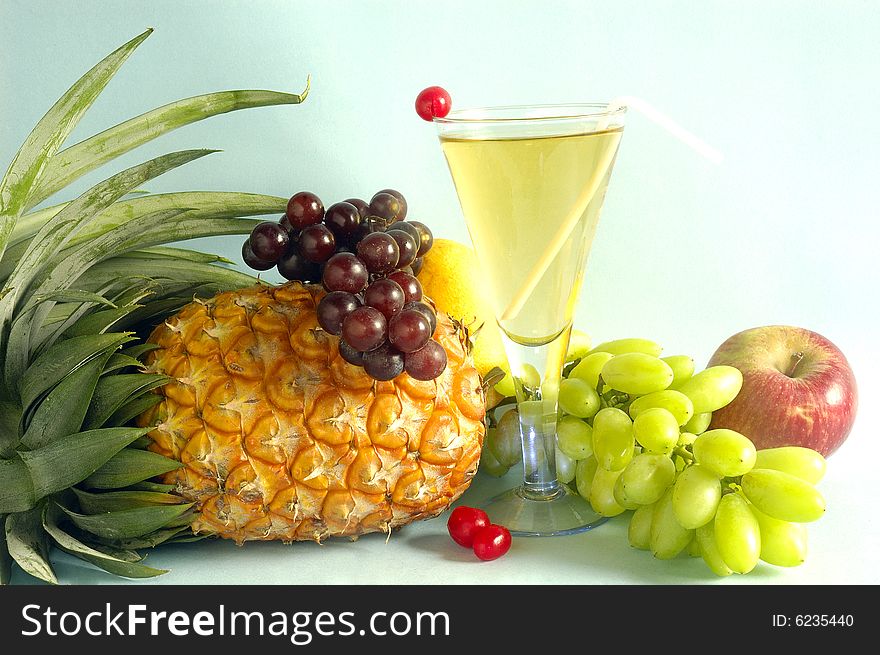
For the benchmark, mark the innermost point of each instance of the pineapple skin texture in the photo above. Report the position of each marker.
(281, 438)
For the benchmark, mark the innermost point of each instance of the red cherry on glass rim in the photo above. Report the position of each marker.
(491, 542)
(463, 524)
(433, 102)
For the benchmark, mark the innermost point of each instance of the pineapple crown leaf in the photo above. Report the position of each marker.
(50, 133)
(66, 278)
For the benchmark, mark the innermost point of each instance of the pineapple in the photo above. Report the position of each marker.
(78, 280)
(281, 438)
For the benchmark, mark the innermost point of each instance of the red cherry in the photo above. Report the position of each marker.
(464, 523)
(491, 542)
(433, 102)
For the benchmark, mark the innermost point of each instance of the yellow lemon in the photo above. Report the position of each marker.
(450, 276)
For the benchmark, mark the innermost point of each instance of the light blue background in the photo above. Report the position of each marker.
(688, 253)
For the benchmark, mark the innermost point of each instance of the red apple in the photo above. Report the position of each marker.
(798, 389)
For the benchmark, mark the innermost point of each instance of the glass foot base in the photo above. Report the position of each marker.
(527, 515)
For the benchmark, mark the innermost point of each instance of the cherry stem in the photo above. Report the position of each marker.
(796, 359)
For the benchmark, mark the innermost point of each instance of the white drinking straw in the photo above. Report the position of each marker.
(571, 220)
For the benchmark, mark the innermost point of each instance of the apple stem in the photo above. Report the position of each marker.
(796, 359)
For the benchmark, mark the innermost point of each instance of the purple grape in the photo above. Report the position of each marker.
(364, 329)
(269, 241)
(409, 330)
(426, 310)
(294, 266)
(416, 266)
(412, 288)
(345, 272)
(384, 363)
(369, 225)
(386, 296)
(410, 229)
(401, 214)
(362, 206)
(406, 245)
(386, 207)
(317, 243)
(351, 355)
(252, 260)
(426, 363)
(333, 309)
(343, 220)
(379, 252)
(304, 209)
(425, 236)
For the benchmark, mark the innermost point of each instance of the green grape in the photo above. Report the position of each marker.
(803, 463)
(489, 464)
(578, 345)
(639, 532)
(602, 493)
(620, 495)
(682, 368)
(725, 452)
(590, 367)
(621, 346)
(574, 437)
(782, 543)
(505, 386)
(712, 388)
(696, 496)
(656, 430)
(783, 496)
(705, 538)
(636, 373)
(668, 537)
(578, 398)
(686, 439)
(679, 405)
(565, 467)
(505, 441)
(693, 548)
(680, 463)
(645, 478)
(530, 376)
(737, 534)
(698, 423)
(613, 442)
(584, 473)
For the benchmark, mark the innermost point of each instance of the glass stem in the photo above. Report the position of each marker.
(538, 406)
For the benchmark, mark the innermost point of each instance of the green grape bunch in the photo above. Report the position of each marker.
(633, 436)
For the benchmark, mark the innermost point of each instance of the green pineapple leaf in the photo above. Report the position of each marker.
(115, 501)
(112, 564)
(113, 391)
(132, 409)
(129, 467)
(28, 544)
(50, 133)
(127, 523)
(31, 475)
(63, 410)
(5, 558)
(61, 359)
(77, 160)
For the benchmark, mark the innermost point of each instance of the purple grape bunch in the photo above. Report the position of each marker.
(367, 256)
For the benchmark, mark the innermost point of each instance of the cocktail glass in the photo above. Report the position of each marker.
(531, 181)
